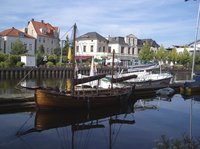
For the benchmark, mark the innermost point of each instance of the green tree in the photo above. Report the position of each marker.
(66, 47)
(173, 55)
(40, 53)
(160, 54)
(145, 53)
(18, 48)
(184, 58)
(56, 51)
(3, 57)
(40, 50)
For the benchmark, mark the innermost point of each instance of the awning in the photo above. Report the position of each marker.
(83, 57)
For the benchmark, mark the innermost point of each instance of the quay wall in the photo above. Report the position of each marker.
(58, 72)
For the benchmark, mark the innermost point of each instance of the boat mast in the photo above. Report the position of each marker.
(73, 57)
(195, 42)
(112, 67)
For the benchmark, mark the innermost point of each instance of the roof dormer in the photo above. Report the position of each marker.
(43, 30)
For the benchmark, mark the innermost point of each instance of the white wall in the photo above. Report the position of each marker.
(96, 45)
(48, 43)
(30, 42)
(28, 60)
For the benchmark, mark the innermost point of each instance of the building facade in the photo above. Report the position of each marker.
(9, 37)
(91, 44)
(45, 34)
(126, 48)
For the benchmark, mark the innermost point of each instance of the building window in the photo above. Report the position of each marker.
(11, 45)
(99, 50)
(30, 46)
(39, 39)
(25, 46)
(44, 40)
(52, 41)
(133, 51)
(84, 48)
(77, 48)
(104, 49)
(129, 50)
(122, 49)
(109, 49)
(91, 48)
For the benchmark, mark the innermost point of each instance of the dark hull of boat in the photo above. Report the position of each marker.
(189, 91)
(190, 88)
(87, 100)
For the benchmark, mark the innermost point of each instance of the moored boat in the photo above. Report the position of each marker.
(77, 97)
(190, 88)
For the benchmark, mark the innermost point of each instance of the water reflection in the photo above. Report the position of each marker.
(137, 125)
(82, 121)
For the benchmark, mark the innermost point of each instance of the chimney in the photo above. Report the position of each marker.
(42, 21)
(32, 19)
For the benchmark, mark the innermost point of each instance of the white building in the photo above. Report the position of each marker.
(92, 44)
(122, 49)
(134, 44)
(9, 37)
(45, 34)
(126, 48)
(189, 47)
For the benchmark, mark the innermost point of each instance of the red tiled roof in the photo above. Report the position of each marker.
(14, 33)
(48, 27)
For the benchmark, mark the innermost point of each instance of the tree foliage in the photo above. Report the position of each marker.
(40, 55)
(145, 53)
(173, 55)
(160, 54)
(18, 48)
(184, 58)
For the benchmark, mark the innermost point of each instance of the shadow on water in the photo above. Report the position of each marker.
(81, 120)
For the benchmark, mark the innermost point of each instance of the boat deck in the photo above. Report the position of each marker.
(139, 92)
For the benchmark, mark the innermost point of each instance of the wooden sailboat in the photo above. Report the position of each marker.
(80, 97)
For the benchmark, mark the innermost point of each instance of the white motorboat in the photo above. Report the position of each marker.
(146, 78)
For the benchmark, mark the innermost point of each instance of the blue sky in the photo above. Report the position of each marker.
(168, 22)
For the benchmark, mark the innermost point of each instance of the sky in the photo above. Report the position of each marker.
(168, 22)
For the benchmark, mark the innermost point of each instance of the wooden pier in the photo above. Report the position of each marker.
(58, 72)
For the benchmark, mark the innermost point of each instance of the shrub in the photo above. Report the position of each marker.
(20, 64)
(50, 64)
(60, 64)
(3, 57)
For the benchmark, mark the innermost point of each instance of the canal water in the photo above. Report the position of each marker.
(139, 125)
